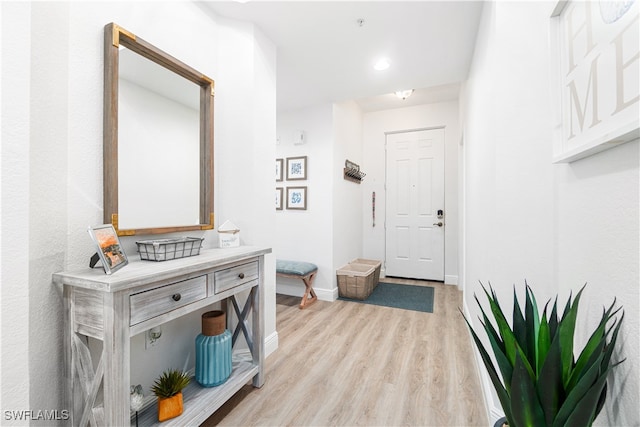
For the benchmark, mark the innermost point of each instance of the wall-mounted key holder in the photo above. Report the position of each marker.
(352, 172)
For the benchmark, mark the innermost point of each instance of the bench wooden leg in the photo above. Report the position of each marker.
(309, 296)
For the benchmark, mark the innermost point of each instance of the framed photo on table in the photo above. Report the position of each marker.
(296, 168)
(297, 198)
(110, 251)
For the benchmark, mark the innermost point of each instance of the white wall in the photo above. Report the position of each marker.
(375, 125)
(347, 195)
(333, 134)
(52, 162)
(307, 235)
(14, 253)
(555, 225)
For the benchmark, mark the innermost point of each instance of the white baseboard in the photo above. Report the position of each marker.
(494, 413)
(271, 344)
(298, 291)
(450, 279)
(327, 295)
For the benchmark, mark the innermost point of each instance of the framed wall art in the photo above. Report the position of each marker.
(279, 196)
(279, 169)
(297, 198)
(296, 168)
(595, 59)
(110, 252)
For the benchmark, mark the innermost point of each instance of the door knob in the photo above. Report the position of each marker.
(439, 224)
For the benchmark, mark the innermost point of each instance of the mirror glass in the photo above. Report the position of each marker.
(158, 139)
(158, 148)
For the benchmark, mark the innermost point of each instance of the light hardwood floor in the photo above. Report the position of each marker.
(352, 364)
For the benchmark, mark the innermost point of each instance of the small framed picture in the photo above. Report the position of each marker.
(297, 198)
(110, 251)
(279, 169)
(279, 195)
(296, 168)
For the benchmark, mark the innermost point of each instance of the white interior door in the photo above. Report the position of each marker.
(415, 194)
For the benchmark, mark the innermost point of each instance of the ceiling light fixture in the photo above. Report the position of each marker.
(381, 64)
(404, 94)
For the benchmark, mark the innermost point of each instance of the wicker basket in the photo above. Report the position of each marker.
(166, 249)
(370, 262)
(356, 281)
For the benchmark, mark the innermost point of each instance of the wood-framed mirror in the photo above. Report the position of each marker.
(157, 147)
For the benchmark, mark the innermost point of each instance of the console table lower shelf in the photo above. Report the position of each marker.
(201, 402)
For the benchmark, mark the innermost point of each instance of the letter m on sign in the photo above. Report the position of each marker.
(578, 110)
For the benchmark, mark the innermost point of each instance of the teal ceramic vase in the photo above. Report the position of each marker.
(213, 350)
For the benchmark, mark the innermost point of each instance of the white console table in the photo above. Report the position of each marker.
(140, 296)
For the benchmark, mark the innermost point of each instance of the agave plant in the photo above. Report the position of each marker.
(542, 383)
(170, 383)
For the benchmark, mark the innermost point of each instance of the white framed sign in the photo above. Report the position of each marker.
(596, 69)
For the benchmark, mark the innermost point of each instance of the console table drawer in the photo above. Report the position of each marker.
(148, 304)
(235, 276)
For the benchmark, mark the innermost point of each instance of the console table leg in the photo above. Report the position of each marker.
(258, 330)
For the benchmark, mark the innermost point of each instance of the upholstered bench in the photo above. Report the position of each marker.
(305, 271)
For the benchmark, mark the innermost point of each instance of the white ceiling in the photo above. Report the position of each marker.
(325, 56)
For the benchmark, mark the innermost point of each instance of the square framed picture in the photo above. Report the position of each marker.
(109, 249)
(279, 169)
(297, 198)
(296, 168)
(279, 195)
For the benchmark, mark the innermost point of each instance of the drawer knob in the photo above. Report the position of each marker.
(176, 297)
(241, 275)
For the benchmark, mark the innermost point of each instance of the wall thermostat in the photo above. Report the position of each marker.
(298, 137)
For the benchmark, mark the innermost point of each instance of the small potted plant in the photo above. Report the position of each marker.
(537, 378)
(168, 388)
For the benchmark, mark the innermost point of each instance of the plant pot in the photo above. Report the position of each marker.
(169, 407)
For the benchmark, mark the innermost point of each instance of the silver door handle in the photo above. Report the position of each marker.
(439, 224)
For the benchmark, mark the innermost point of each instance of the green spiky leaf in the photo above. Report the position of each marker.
(170, 383)
(549, 384)
(566, 329)
(524, 398)
(532, 321)
(543, 341)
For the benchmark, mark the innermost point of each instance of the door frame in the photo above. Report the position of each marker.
(444, 179)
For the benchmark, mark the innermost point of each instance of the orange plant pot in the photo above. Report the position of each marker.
(170, 407)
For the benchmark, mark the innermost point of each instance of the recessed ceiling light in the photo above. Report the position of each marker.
(382, 64)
